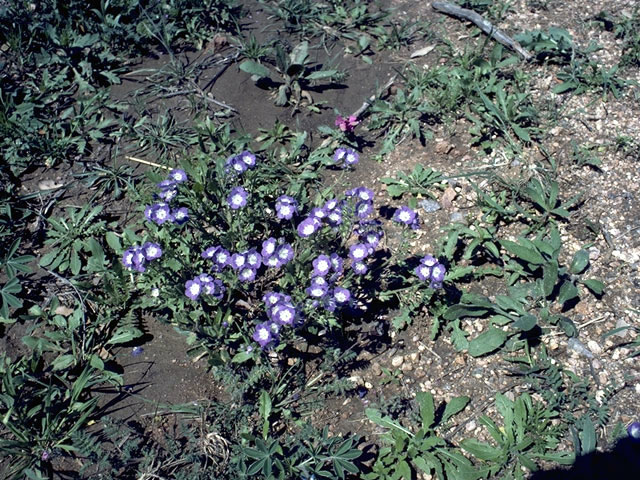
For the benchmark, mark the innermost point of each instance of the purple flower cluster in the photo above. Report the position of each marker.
(432, 270)
(246, 264)
(406, 216)
(137, 256)
(322, 288)
(286, 207)
(634, 431)
(281, 312)
(161, 212)
(204, 283)
(238, 164)
(345, 157)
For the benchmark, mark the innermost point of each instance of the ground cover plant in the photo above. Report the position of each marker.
(289, 239)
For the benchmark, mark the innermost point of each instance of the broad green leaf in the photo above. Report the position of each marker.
(481, 450)
(525, 323)
(580, 262)
(254, 68)
(487, 342)
(456, 405)
(124, 335)
(596, 286)
(587, 434)
(63, 361)
(568, 291)
(427, 409)
(529, 255)
(549, 277)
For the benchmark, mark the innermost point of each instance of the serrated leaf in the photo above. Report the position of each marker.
(487, 342)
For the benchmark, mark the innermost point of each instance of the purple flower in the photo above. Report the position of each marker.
(359, 268)
(268, 248)
(318, 213)
(238, 260)
(168, 194)
(45, 455)
(215, 288)
(330, 204)
(193, 288)
(406, 216)
(286, 207)
(364, 193)
(247, 274)
(358, 252)
(254, 259)
(371, 238)
(151, 251)
(438, 272)
(351, 158)
(634, 431)
(283, 314)
(209, 252)
(321, 266)
(339, 154)
(341, 295)
(318, 288)
(160, 213)
(364, 208)
(308, 227)
(178, 175)
(138, 259)
(127, 257)
(423, 272)
(180, 215)
(346, 124)
(284, 253)
(248, 158)
(136, 351)
(337, 264)
(334, 217)
(148, 212)
(167, 185)
(428, 260)
(263, 334)
(271, 298)
(221, 257)
(236, 165)
(272, 262)
(237, 198)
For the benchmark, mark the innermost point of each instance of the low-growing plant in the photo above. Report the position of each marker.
(418, 182)
(423, 449)
(525, 437)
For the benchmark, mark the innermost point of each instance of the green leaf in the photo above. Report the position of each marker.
(549, 277)
(427, 409)
(124, 335)
(487, 342)
(481, 450)
(580, 262)
(113, 241)
(596, 286)
(456, 405)
(526, 323)
(63, 361)
(529, 255)
(254, 68)
(321, 74)
(568, 291)
(588, 439)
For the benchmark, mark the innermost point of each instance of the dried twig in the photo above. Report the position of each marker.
(482, 24)
(373, 97)
(147, 162)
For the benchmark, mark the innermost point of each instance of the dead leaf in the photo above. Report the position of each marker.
(447, 198)
(423, 51)
(49, 185)
(64, 311)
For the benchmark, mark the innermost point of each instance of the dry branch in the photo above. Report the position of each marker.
(482, 24)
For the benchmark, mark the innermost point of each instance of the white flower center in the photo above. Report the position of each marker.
(194, 289)
(263, 333)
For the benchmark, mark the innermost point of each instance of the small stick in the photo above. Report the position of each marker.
(372, 98)
(147, 162)
(482, 24)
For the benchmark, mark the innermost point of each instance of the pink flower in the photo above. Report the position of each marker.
(347, 124)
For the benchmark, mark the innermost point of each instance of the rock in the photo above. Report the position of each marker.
(471, 426)
(407, 367)
(375, 369)
(443, 148)
(397, 360)
(594, 347)
(457, 217)
(430, 206)
(447, 198)
(621, 323)
(414, 357)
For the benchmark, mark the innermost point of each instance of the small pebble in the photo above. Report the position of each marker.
(430, 206)
(457, 217)
(594, 347)
(397, 360)
(471, 426)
